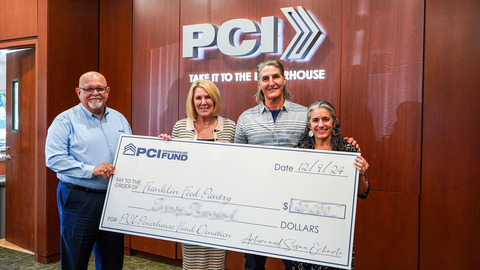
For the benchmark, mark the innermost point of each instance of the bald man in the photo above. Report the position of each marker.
(81, 144)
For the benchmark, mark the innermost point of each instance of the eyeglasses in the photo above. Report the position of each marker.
(100, 89)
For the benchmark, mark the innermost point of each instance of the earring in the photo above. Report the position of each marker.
(310, 133)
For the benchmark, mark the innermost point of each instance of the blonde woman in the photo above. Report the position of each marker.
(204, 124)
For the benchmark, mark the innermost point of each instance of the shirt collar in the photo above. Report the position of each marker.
(220, 123)
(285, 106)
(87, 112)
(190, 125)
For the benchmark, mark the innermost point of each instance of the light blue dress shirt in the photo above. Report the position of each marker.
(256, 125)
(78, 141)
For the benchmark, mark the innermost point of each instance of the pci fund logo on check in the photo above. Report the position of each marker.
(129, 149)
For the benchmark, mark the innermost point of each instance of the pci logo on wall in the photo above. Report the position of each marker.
(227, 36)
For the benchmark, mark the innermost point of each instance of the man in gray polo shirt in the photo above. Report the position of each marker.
(275, 121)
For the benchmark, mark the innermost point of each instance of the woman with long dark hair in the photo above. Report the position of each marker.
(323, 133)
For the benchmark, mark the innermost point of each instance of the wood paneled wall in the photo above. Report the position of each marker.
(115, 53)
(115, 57)
(155, 73)
(46, 229)
(18, 19)
(382, 62)
(450, 176)
(72, 50)
(155, 84)
(381, 106)
(386, 231)
(420, 142)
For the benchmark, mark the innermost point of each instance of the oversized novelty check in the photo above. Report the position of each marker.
(294, 204)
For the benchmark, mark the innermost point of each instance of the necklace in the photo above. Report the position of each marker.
(204, 126)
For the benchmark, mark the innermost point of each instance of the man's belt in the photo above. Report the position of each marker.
(91, 190)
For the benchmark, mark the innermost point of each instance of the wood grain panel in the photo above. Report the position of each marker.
(73, 28)
(237, 96)
(68, 47)
(21, 18)
(154, 246)
(235, 261)
(382, 88)
(115, 53)
(386, 231)
(157, 257)
(155, 66)
(450, 182)
(47, 223)
(178, 248)
(19, 185)
(154, 82)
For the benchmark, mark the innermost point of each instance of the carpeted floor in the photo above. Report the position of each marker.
(12, 259)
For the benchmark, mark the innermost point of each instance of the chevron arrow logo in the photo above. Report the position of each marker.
(129, 149)
(307, 33)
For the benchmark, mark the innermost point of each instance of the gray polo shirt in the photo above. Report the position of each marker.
(256, 126)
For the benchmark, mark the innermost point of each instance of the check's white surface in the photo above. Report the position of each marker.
(288, 203)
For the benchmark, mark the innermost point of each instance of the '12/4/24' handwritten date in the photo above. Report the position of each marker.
(315, 168)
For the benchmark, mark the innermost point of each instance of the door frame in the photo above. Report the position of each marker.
(42, 234)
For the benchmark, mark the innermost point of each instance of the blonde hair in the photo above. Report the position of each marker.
(212, 90)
